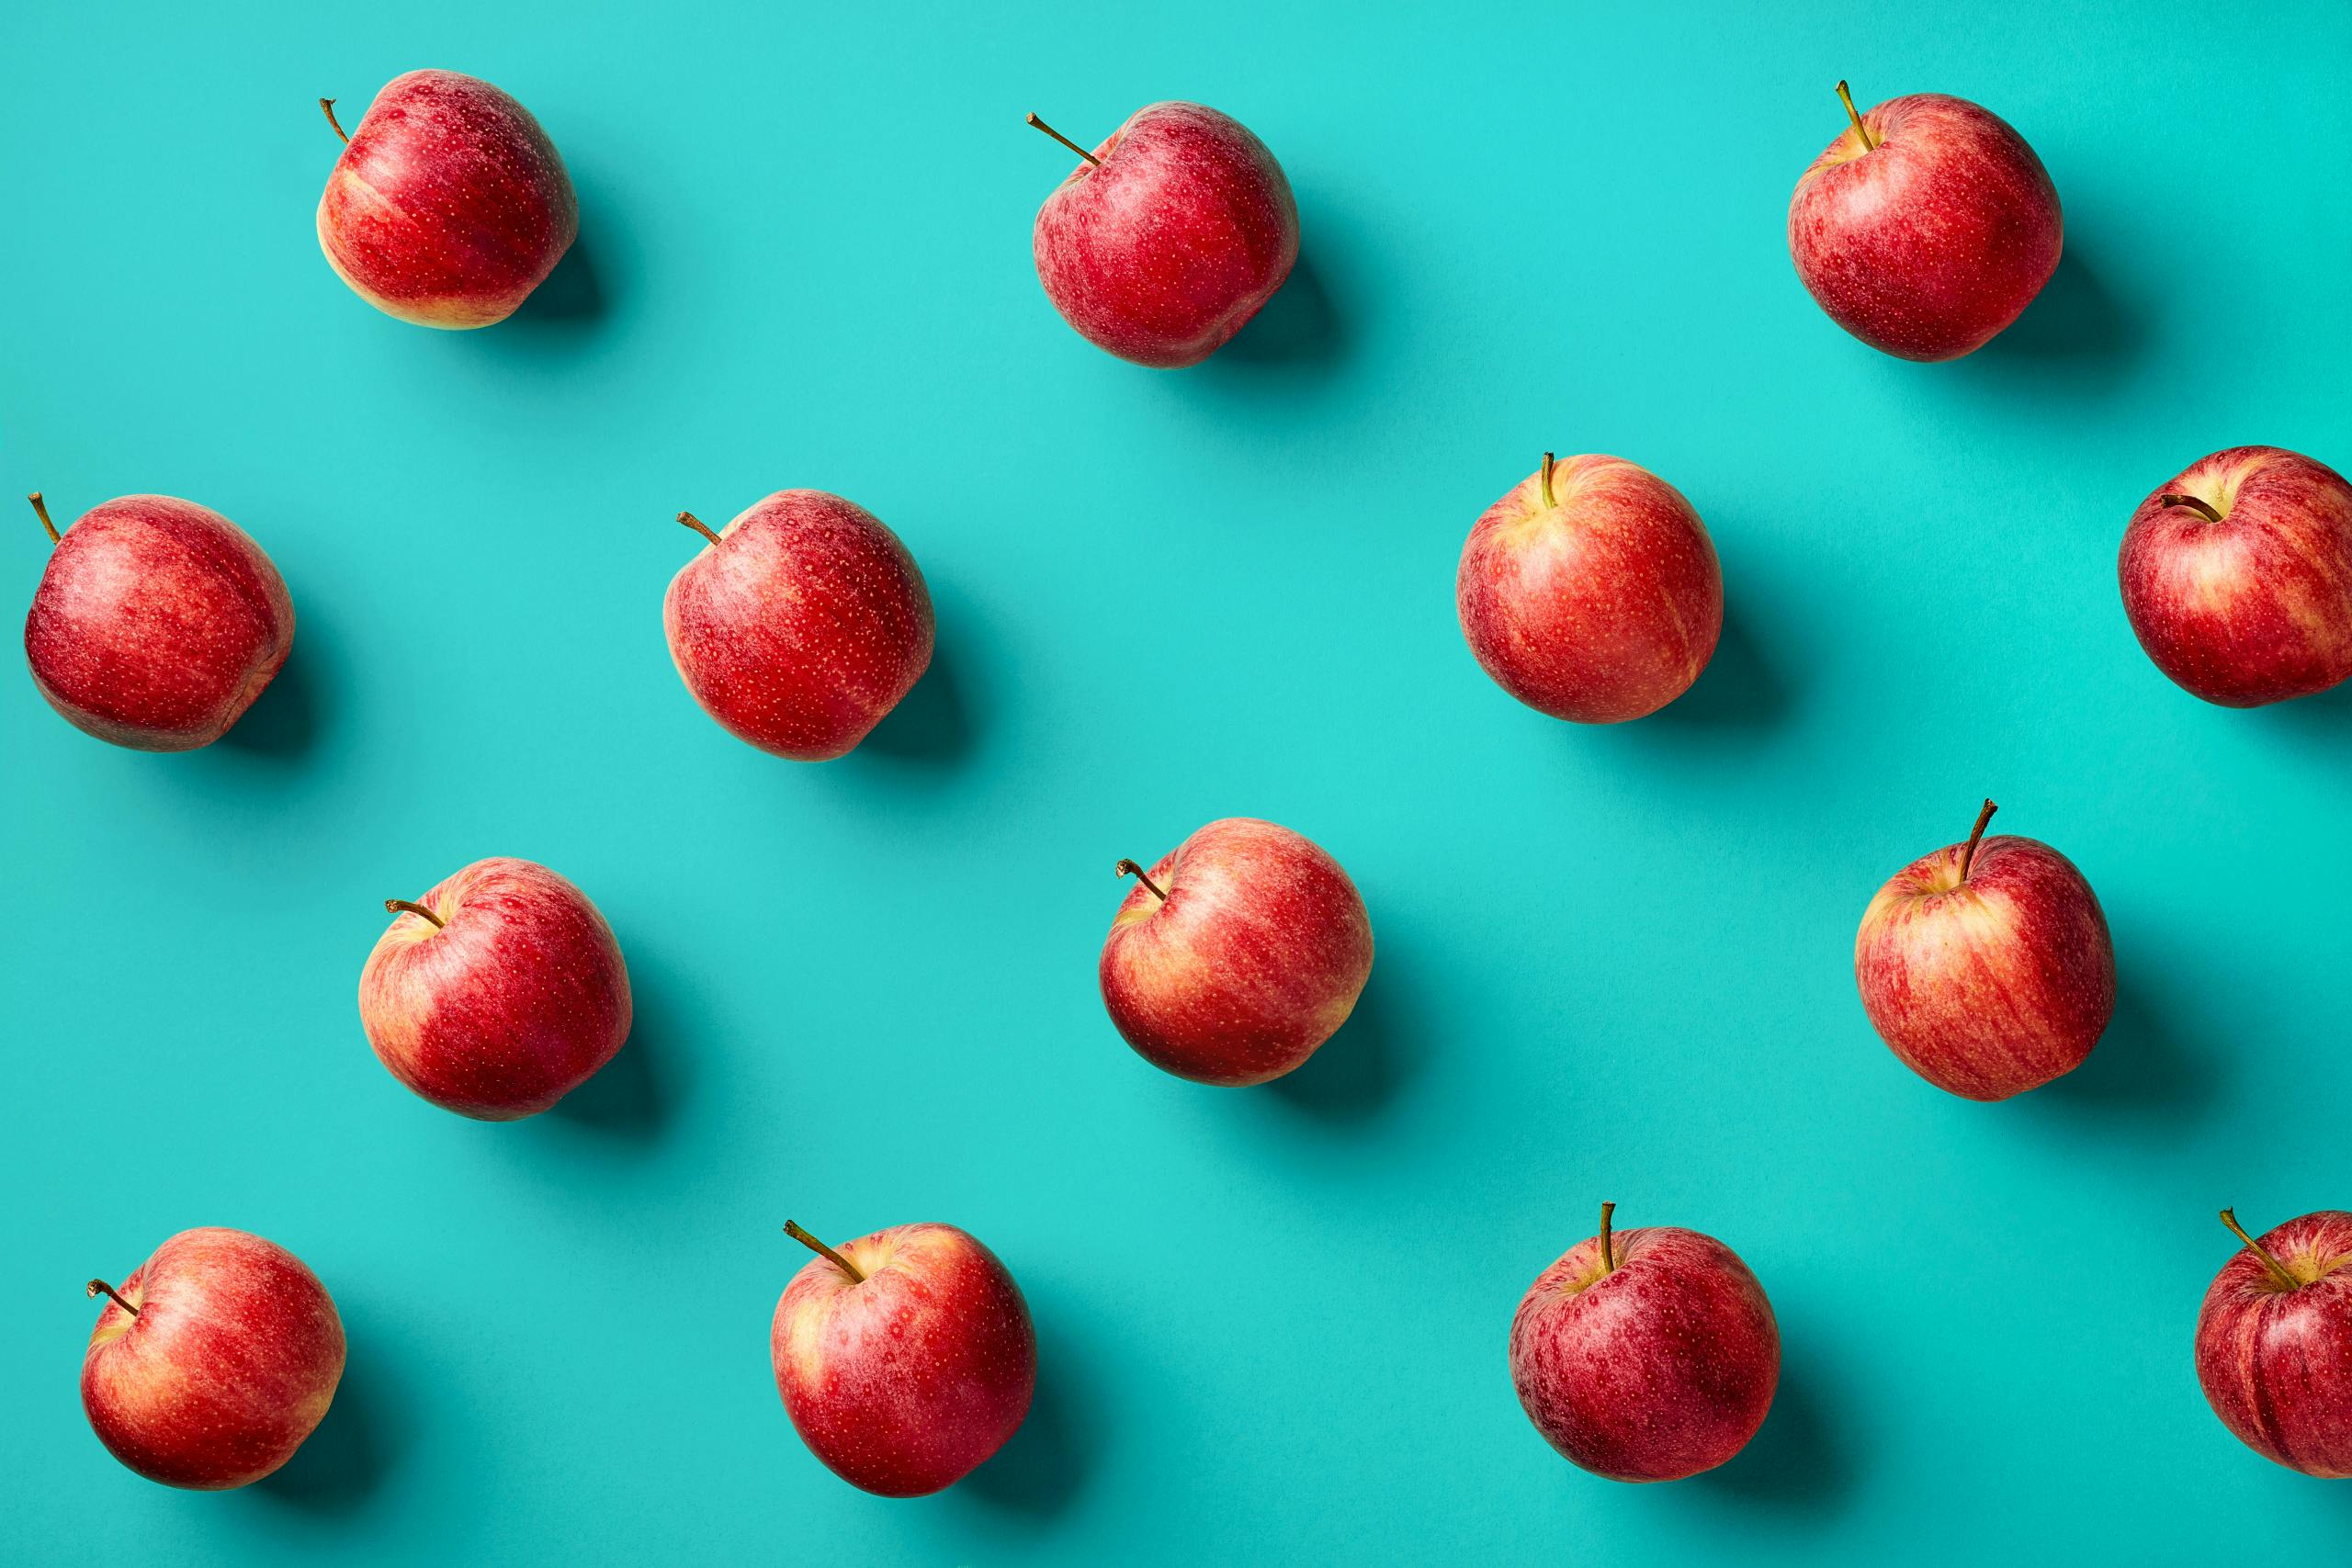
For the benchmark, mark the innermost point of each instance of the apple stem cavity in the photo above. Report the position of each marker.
(2277, 1271)
(699, 525)
(402, 907)
(96, 1286)
(1129, 868)
(326, 106)
(1065, 141)
(844, 1264)
(1975, 836)
(41, 510)
(2174, 498)
(1545, 482)
(1860, 130)
(1608, 1253)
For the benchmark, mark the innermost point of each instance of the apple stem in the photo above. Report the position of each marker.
(1065, 141)
(699, 525)
(1975, 835)
(1129, 868)
(402, 907)
(1608, 1253)
(1544, 483)
(2278, 1269)
(1860, 130)
(326, 106)
(2172, 498)
(805, 1239)
(41, 510)
(96, 1286)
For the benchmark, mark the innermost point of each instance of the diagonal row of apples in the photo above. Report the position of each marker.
(1591, 592)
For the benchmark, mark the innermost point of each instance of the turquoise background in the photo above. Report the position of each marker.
(1612, 963)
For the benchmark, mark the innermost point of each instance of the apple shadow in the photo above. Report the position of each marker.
(356, 1447)
(1353, 1076)
(1300, 328)
(1044, 1465)
(1794, 1462)
(932, 725)
(575, 297)
(1739, 690)
(633, 1096)
(2139, 1068)
(2321, 719)
(283, 723)
(2076, 331)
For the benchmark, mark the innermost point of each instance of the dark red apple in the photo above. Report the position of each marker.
(212, 1361)
(1235, 955)
(156, 624)
(2274, 1343)
(498, 993)
(1987, 965)
(1591, 590)
(2237, 576)
(1926, 228)
(905, 1359)
(1168, 237)
(449, 204)
(800, 625)
(1648, 1356)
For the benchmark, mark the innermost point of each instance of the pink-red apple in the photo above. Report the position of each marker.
(1591, 590)
(156, 623)
(449, 204)
(1649, 1355)
(905, 1359)
(2274, 1343)
(799, 624)
(1987, 965)
(1166, 239)
(1926, 228)
(496, 994)
(2237, 576)
(1237, 954)
(212, 1361)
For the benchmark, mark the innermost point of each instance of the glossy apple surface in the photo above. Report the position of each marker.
(1164, 246)
(156, 624)
(1646, 1355)
(212, 1360)
(1926, 228)
(799, 624)
(448, 205)
(496, 994)
(1987, 965)
(2237, 576)
(905, 1359)
(2274, 1343)
(1591, 592)
(1237, 954)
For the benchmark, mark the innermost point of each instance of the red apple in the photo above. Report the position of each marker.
(1591, 590)
(213, 1360)
(1236, 955)
(2237, 576)
(2274, 1343)
(498, 993)
(905, 1359)
(1648, 1356)
(800, 625)
(1168, 237)
(448, 205)
(1926, 228)
(1987, 965)
(156, 624)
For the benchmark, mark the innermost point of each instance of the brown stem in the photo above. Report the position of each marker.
(1860, 130)
(1129, 868)
(1608, 1253)
(96, 1286)
(805, 1239)
(2277, 1270)
(1975, 835)
(699, 525)
(327, 106)
(1065, 141)
(41, 510)
(2174, 498)
(402, 907)
(1545, 482)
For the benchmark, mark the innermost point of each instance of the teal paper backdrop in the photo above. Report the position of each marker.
(1612, 963)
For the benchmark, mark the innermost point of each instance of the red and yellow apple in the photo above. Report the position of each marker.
(212, 1360)
(496, 994)
(1237, 954)
(2274, 1343)
(905, 1359)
